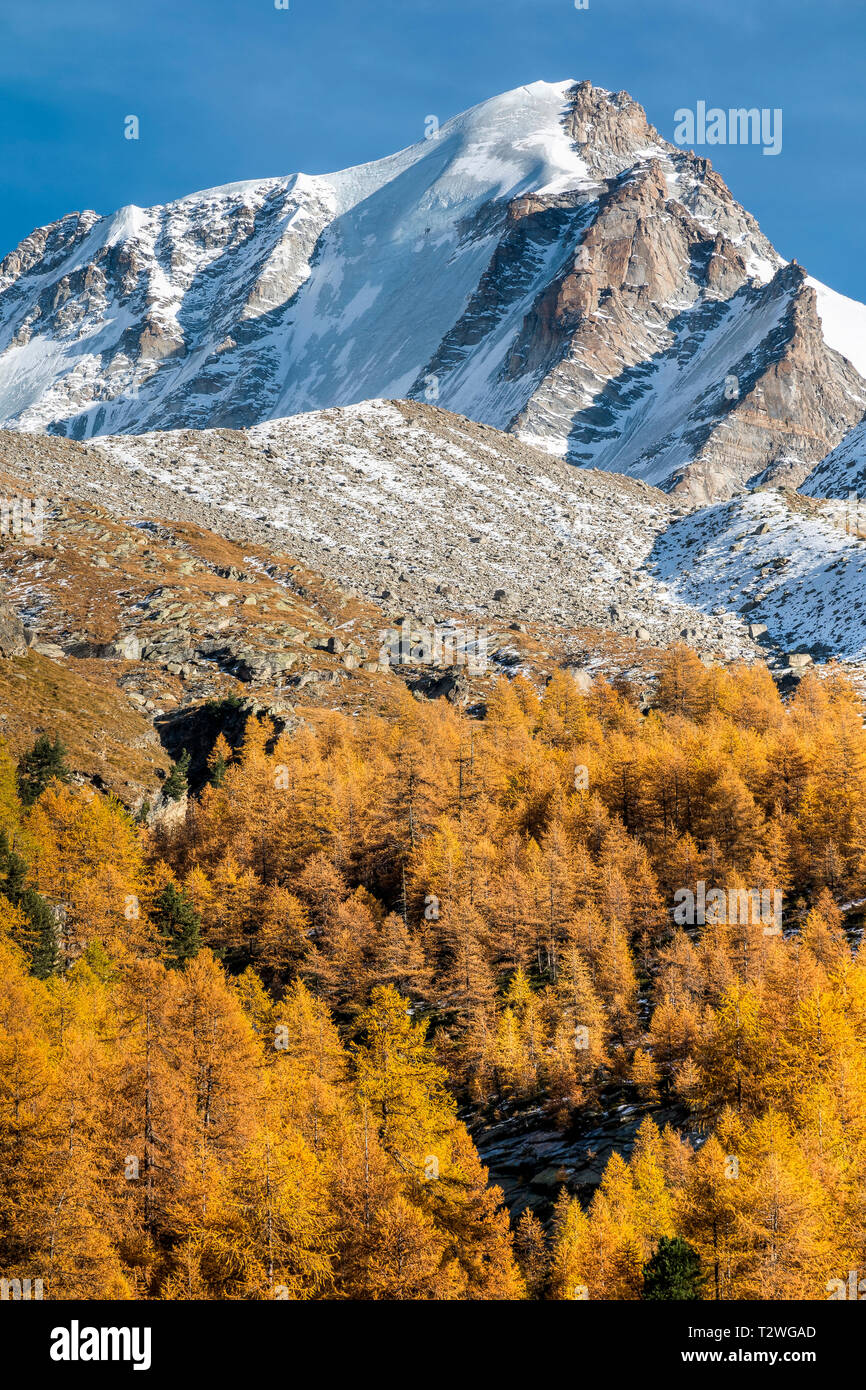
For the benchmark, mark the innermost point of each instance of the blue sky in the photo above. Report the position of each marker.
(235, 89)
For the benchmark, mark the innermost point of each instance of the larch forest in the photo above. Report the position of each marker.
(252, 1062)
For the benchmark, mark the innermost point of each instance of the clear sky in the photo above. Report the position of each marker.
(238, 89)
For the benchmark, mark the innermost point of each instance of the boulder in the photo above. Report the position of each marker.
(259, 667)
(125, 647)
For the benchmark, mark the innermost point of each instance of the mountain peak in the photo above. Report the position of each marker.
(609, 129)
(544, 262)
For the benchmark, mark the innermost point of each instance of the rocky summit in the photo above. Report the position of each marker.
(545, 264)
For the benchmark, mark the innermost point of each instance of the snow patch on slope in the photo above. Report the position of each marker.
(843, 321)
(843, 471)
(776, 561)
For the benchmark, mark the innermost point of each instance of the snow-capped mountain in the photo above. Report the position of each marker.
(546, 264)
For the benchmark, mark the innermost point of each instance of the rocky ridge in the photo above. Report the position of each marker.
(410, 512)
(412, 509)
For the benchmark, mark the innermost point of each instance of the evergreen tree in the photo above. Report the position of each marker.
(176, 784)
(179, 923)
(673, 1272)
(45, 957)
(219, 760)
(41, 942)
(13, 870)
(45, 762)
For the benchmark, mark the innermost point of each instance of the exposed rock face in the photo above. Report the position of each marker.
(548, 265)
(531, 1161)
(167, 815)
(13, 640)
(710, 350)
(607, 129)
(796, 397)
(204, 285)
